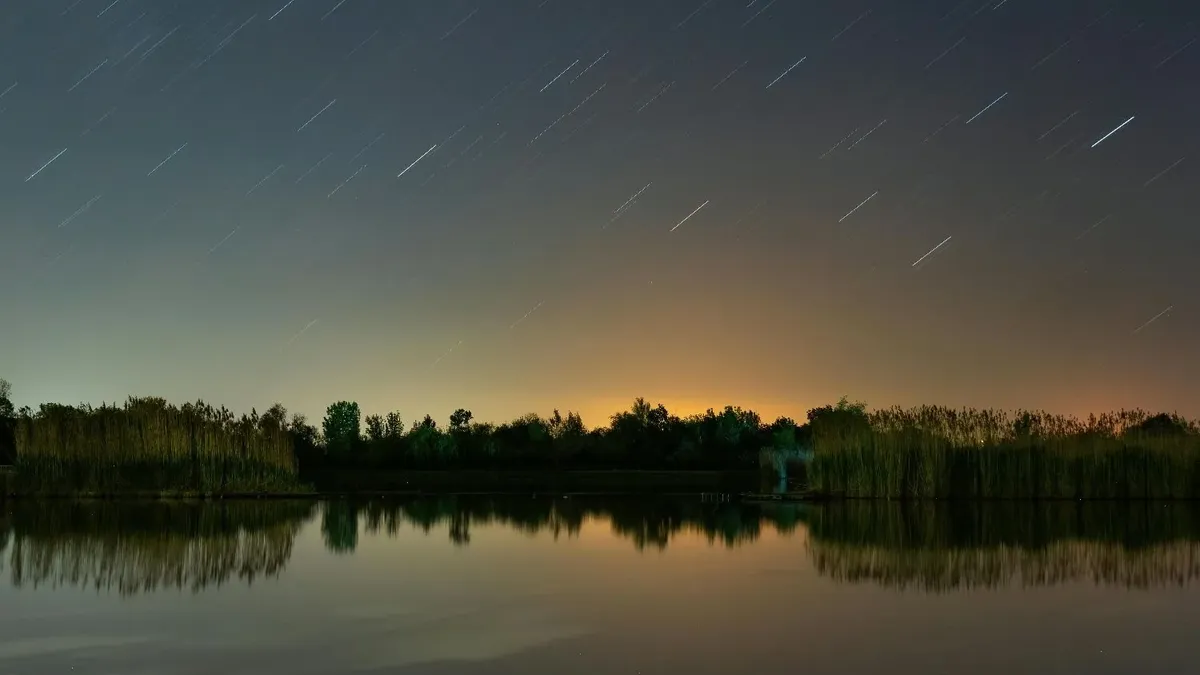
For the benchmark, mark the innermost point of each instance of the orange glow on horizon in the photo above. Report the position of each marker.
(599, 412)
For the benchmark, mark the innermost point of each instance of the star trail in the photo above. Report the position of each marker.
(313, 200)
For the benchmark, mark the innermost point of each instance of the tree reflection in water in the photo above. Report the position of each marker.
(647, 522)
(135, 547)
(928, 546)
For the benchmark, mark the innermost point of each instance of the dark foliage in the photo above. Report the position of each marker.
(644, 437)
(8, 440)
(8, 425)
(842, 449)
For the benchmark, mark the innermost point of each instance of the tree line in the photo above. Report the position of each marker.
(644, 437)
(928, 451)
(202, 448)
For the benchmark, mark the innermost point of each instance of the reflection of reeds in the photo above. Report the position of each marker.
(1168, 564)
(939, 548)
(1016, 523)
(940, 452)
(133, 548)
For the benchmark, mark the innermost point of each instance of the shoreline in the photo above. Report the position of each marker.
(712, 497)
(354, 483)
(708, 485)
(320, 496)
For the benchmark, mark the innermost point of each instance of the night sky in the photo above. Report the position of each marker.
(512, 206)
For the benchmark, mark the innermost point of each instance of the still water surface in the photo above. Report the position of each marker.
(530, 586)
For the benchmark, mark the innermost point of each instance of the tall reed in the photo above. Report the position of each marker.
(147, 444)
(941, 453)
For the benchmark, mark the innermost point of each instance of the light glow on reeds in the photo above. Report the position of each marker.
(937, 452)
(148, 444)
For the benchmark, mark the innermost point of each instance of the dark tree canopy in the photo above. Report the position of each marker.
(341, 426)
(460, 419)
(6, 404)
(8, 424)
(1164, 424)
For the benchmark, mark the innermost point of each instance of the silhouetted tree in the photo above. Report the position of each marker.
(341, 427)
(639, 434)
(460, 419)
(8, 424)
(304, 436)
(393, 425)
(6, 404)
(429, 446)
(569, 436)
(476, 445)
(376, 428)
(276, 417)
(1163, 424)
(843, 418)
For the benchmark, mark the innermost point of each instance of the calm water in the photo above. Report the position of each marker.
(530, 586)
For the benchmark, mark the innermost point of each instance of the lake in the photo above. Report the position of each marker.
(522, 585)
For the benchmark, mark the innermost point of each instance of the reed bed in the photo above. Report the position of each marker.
(139, 548)
(149, 445)
(942, 453)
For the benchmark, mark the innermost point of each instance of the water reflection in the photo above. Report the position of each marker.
(647, 523)
(137, 547)
(475, 585)
(936, 548)
(932, 547)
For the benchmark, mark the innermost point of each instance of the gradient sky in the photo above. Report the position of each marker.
(219, 199)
